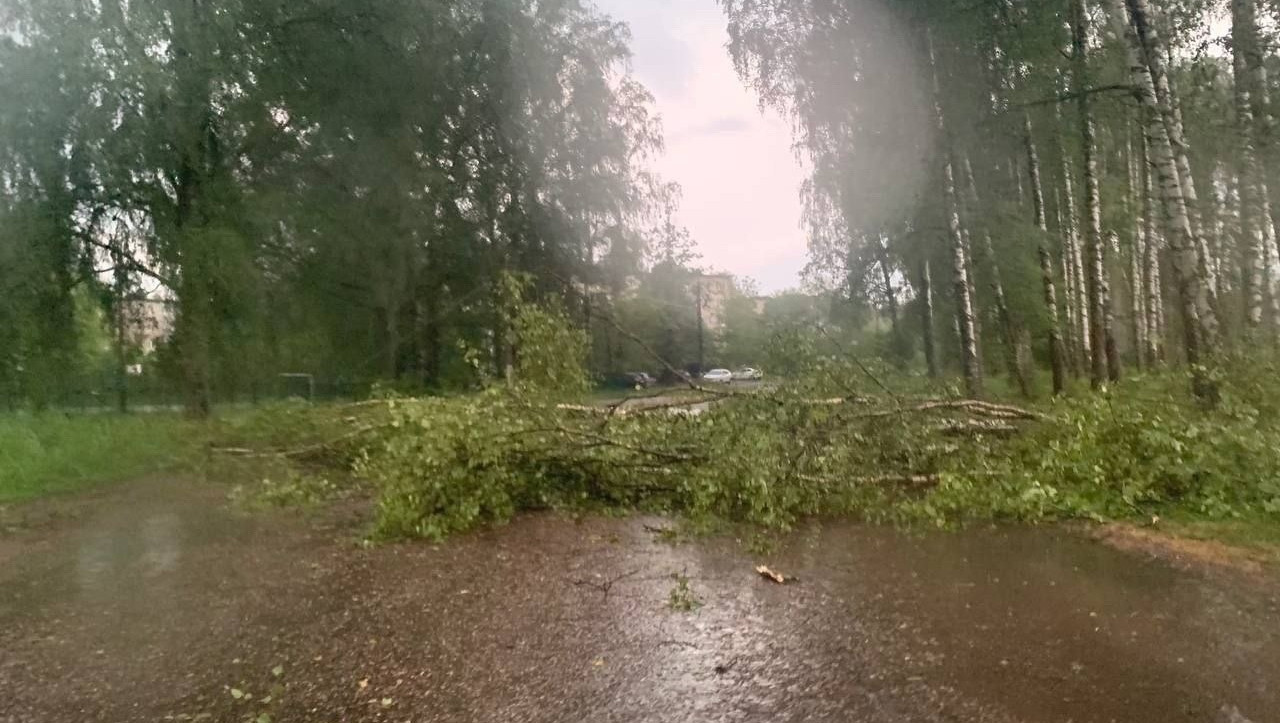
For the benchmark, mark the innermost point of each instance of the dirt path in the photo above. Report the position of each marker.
(158, 603)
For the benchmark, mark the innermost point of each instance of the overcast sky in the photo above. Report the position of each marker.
(740, 179)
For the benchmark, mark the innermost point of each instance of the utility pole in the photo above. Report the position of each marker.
(701, 361)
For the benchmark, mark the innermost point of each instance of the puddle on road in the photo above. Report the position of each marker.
(1051, 626)
(154, 602)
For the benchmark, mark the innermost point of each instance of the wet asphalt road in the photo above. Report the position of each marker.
(157, 603)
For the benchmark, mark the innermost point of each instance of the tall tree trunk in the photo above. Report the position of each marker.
(1057, 354)
(1151, 243)
(1069, 338)
(972, 361)
(193, 324)
(1253, 213)
(886, 275)
(1200, 323)
(1264, 137)
(196, 143)
(391, 361)
(1214, 230)
(1072, 249)
(1167, 95)
(428, 337)
(1138, 211)
(1016, 178)
(1137, 298)
(1100, 370)
(1253, 120)
(1009, 330)
(121, 324)
(926, 320)
(1112, 345)
(1233, 232)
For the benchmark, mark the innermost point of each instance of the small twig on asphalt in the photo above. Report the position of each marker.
(604, 586)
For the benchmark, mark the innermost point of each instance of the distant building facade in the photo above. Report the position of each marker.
(712, 292)
(148, 323)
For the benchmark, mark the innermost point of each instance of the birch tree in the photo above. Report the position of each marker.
(971, 359)
(1057, 352)
(1200, 323)
(1104, 363)
(1254, 216)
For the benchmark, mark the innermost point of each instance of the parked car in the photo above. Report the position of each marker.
(641, 380)
(630, 380)
(718, 376)
(748, 374)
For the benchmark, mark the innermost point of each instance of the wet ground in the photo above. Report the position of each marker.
(156, 602)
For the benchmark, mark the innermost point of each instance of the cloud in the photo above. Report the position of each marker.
(660, 56)
(724, 125)
(740, 178)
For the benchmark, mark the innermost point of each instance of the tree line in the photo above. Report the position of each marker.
(1087, 187)
(1090, 185)
(314, 185)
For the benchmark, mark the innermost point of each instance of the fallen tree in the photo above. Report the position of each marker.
(835, 440)
(769, 458)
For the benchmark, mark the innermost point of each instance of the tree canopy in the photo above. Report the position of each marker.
(319, 186)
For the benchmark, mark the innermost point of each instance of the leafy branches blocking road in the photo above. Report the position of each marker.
(831, 441)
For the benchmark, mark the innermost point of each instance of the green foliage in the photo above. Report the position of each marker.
(682, 598)
(441, 469)
(446, 465)
(551, 352)
(1130, 453)
(50, 453)
(830, 443)
(218, 163)
(289, 488)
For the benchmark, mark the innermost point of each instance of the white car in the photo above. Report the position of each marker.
(718, 376)
(748, 374)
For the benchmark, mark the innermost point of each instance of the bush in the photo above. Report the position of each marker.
(1133, 452)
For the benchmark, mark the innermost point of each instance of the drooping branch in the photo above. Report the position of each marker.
(1074, 95)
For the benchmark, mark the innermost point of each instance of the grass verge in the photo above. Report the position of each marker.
(1257, 533)
(47, 454)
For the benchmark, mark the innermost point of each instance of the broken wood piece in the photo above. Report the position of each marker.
(776, 577)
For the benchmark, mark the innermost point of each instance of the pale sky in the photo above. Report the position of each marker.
(740, 178)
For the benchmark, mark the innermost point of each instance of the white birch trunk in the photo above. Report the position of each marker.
(971, 360)
(1253, 209)
(1057, 352)
(1095, 263)
(1200, 324)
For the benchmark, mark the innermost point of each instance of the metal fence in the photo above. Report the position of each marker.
(153, 393)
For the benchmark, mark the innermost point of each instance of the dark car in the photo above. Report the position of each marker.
(630, 380)
(641, 380)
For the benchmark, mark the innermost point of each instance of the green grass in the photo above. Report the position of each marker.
(1259, 533)
(48, 454)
